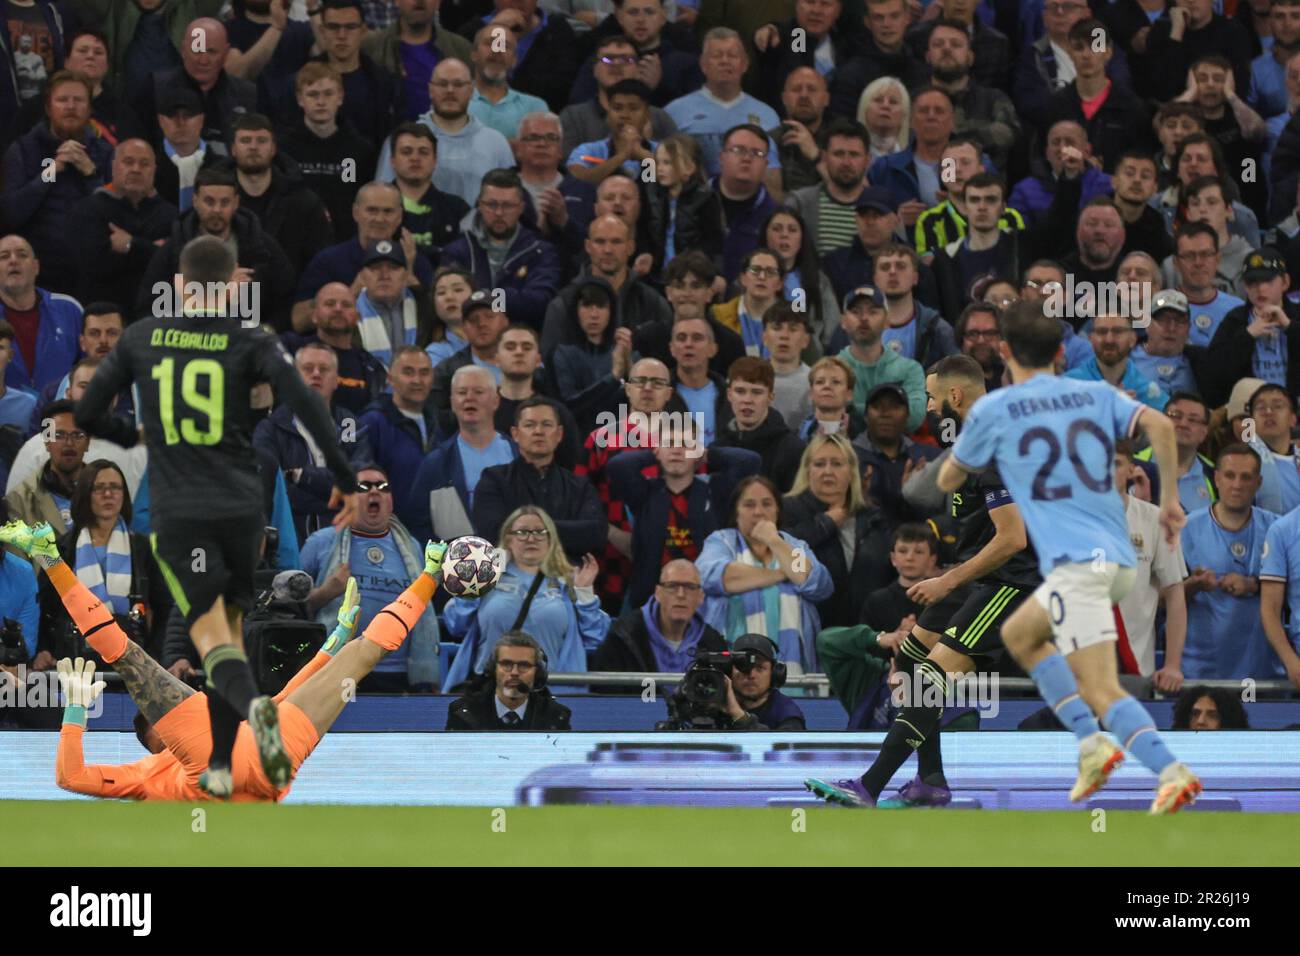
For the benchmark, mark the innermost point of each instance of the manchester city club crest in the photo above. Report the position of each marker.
(1238, 549)
(375, 555)
(383, 247)
(895, 346)
(1203, 321)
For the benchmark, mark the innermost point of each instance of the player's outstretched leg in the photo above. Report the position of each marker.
(1132, 725)
(915, 726)
(1027, 635)
(321, 697)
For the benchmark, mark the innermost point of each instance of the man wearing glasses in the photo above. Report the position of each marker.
(378, 552)
(746, 203)
(1112, 339)
(664, 635)
(1196, 255)
(511, 699)
(1191, 418)
(46, 494)
(1166, 357)
(503, 254)
(535, 479)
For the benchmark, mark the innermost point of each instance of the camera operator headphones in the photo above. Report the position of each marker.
(765, 647)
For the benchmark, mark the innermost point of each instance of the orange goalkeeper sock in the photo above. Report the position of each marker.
(390, 626)
(88, 612)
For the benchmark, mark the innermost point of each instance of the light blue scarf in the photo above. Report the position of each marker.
(110, 581)
(374, 327)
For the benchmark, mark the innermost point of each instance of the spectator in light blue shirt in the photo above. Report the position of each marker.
(1272, 409)
(1279, 582)
(627, 148)
(494, 102)
(692, 346)
(1113, 339)
(16, 404)
(1268, 94)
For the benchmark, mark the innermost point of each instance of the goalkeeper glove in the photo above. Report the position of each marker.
(77, 678)
(434, 552)
(349, 612)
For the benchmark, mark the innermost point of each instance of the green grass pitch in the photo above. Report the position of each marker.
(160, 834)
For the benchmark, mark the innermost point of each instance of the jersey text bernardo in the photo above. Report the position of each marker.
(1054, 403)
(181, 339)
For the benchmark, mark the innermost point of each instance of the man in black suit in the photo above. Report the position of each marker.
(515, 696)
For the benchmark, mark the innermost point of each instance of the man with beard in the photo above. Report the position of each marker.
(865, 318)
(466, 147)
(549, 52)
(994, 55)
(272, 189)
(584, 118)
(1135, 181)
(981, 111)
(805, 97)
(829, 210)
(964, 610)
(216, 213)
(1099, 241)
(334, 319)
(1196, 255)
(114, 230)
(978, 335)
(882, 52)
(663, 58)
(49, 171)
(915, 330)
(503, 254)
(495, 103)
(1112, 339)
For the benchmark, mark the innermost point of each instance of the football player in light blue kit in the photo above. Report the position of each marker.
(1053, 440)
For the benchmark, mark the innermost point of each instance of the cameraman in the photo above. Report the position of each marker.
(752, 702)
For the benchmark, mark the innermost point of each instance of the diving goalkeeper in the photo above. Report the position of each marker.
(178, 715)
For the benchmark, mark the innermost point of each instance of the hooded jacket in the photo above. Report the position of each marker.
(779, 447)
(257, 251)
(583, 371)
(698, 224)
(627, 648)
(640, 308)
(529, 277)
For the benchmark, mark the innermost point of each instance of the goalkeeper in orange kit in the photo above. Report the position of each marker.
(178, 730)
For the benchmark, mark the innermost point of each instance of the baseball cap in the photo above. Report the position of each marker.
(757, 644)
(384, 250)
(179, 97)
(887, 388)
(1241, 393)
(874, 197)
(1264, 264)
(864, 292)
(1170, 299)
(482, 299)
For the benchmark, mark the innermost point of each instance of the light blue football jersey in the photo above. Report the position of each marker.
(1053, 441)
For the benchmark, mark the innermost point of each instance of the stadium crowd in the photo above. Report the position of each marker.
(498, 236)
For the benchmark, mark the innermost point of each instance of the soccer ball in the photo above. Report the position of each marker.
(471, 567)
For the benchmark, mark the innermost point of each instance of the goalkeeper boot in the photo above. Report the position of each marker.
(264, 721)
(1177, 788)
(1098, 758)
(217, 782)
(35, 541)
(847, 793)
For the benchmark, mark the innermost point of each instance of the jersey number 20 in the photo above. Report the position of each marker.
(209, 402)
(1044, 492)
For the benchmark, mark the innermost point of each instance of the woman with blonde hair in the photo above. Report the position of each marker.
(827, 508)
(539, 593)
(885, 109)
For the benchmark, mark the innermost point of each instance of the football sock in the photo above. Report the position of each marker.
(89, 613)
(231, 677)
(390, 626)
(1132, 726)
(225, 727)
(909, 731)
(1058, 687)
(929, 756)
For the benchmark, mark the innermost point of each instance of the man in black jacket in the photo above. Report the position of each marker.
(754, 424)
(535, 479)
(664, 634)
(271, 187)
(515, 696)
(882, 52)
(113, 231)
(216, 213)
(1262, 337)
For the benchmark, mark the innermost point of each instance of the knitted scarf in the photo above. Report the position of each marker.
(774, 612)
(374, 327)
(110, 581)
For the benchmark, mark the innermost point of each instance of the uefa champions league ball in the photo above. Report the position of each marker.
(472, 566)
